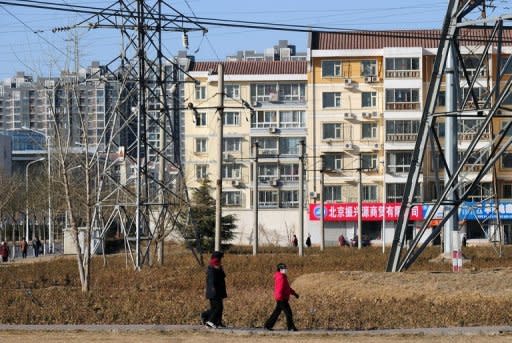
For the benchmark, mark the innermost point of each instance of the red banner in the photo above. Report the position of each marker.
(347, 212)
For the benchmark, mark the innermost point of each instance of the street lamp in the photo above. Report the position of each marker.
(26, 192)
(50, 228)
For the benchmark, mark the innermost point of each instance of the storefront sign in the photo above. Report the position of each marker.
(370, 212)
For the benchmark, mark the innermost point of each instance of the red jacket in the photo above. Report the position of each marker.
(282, 289)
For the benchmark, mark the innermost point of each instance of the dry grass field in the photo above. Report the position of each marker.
(340, 288)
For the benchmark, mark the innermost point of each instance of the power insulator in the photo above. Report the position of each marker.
(185, 40)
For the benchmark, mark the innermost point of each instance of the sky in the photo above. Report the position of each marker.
(28, 43)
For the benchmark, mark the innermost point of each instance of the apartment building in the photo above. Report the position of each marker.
(366, 95)
(265, 103)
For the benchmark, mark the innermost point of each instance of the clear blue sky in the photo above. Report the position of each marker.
(46, 52)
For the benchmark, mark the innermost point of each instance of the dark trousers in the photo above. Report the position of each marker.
(281, 306)
(214, 314)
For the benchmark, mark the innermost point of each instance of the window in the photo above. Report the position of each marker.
(402, 127)
(231, 171)
(332, 193)
(369, 161)
(289, 172)
(507, 191)
(331, 68)
(232, 118)
(267, 173)
(200, 119)
(267, 145)
(332, 131)
(292, 92)
(506, 160)
(201, 171)
(403, 67)
(289, 145)
(441, 99)
(369, 131)
(291, 119)
(398, 161)
(402, 99)
(333, 161)
(331, 99)
(504, 125)
(267, 199)
(264, 92)
(289, 199)
(232, 91)
(369, 193)
(232, 144)
(369, 68)
(395, 192)
(201, 144)
(231, 198)
(200, 92)
(481, 94)
(368, 99)
(264, 119)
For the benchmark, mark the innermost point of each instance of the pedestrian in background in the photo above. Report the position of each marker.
(308, 241)
(215, 291)
(282, 292)
(295, 241)
(23, 247)
(4, 251)
(36, 244)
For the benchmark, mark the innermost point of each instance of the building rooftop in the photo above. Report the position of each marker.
(252, 67)
(397, 39)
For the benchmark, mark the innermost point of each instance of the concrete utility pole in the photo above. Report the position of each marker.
(360, 203)
(255, 199)
(26, 194)
(218, 200)
(301, 197)
(322, 204)
(452, 85)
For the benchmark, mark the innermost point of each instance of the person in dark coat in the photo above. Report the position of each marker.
(282, 292)
(36, 244)
(308, 241)
(23, 247)
(295, 241)
(215, 291)
(4, 251)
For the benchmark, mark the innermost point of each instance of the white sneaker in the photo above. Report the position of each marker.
(211, 325)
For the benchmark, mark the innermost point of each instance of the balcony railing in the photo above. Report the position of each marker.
(464, 136)
(401, 137)
(402, 74)
(403, 106)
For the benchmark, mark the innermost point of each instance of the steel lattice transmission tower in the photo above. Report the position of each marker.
(464, 26)
(141, 188)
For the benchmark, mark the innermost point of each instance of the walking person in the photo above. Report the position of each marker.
(282, 292)
(36, 244)
(23, 247)
(308, 241)
(215, 291)
(295, 241)
(4, 252)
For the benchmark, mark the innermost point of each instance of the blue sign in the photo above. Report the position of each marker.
(471, 210)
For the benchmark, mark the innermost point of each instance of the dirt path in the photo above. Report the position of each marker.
(207, 337)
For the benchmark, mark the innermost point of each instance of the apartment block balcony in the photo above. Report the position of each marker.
(403, 74)
(401, 137)
(403, 106)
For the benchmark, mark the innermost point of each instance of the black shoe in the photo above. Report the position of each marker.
(221, 325)
(268, 328)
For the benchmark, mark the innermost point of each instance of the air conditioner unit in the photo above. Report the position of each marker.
(228, 157)
(375, 114)
(348, 115)
(254, 104)
(235, 183)
(273, 130)
(368, 79)
(314, 195)
(376, 146)
(274, 182)
(366, 114)
(348, 83)
(348, 145)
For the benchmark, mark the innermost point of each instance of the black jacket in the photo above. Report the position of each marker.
(215, 283)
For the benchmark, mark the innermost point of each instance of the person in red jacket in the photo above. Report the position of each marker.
(282, 292)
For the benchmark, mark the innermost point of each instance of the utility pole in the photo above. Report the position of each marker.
(301, 197)
(218, 200)
(360, 203)
(255, 199)
(322, 204)
(452, 84)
